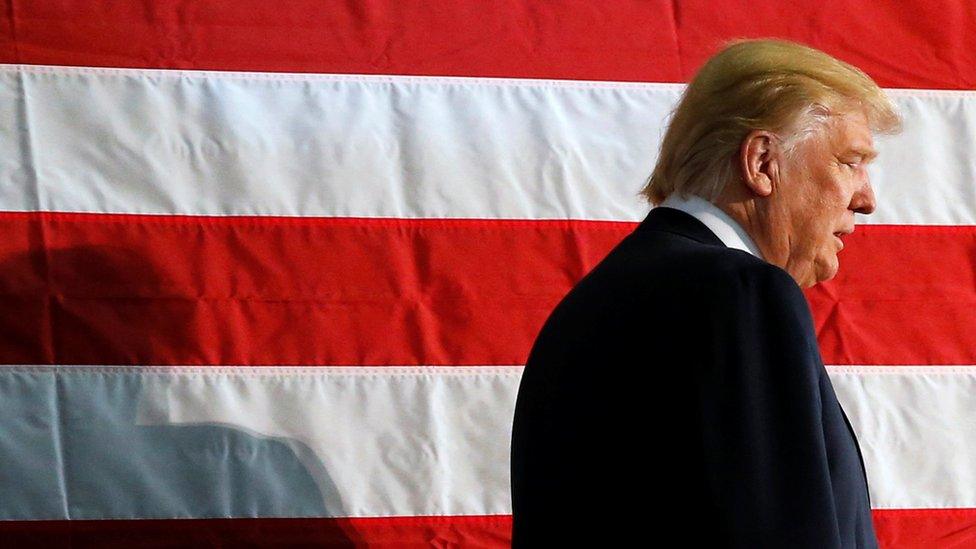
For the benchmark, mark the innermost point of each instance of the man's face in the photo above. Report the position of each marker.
(821, 187)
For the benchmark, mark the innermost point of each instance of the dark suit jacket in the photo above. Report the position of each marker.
(678, 390)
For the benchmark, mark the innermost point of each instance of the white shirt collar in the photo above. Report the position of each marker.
(725, 228)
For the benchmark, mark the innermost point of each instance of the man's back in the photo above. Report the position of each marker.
(678, 390)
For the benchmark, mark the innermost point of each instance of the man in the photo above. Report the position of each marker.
(677, 391)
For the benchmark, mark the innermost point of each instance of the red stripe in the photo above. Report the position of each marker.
(97, 289)
(926, 44)
(896, 528)
(121, 289)
(925, 528)
(905, 294)
(463, 531)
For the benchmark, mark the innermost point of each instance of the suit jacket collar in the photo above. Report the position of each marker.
(678, 222)
(719, 222)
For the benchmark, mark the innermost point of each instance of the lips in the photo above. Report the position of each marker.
(841, 233)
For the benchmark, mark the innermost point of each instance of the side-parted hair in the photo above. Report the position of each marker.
(774, 85)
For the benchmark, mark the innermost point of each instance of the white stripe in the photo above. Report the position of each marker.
(916, 431)
(214, 143)
(152, 442)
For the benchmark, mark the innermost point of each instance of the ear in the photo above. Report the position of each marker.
(759, 161)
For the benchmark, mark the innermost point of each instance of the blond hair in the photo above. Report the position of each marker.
(783, 87)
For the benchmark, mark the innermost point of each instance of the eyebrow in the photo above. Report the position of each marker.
(866, 154)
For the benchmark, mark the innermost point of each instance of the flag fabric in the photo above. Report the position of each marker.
(269, 271)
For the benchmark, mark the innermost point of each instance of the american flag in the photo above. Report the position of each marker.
(276, 266)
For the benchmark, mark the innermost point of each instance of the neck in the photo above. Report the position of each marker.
(747, 210)
(761, 220)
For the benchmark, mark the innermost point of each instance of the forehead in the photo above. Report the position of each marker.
(850, 132)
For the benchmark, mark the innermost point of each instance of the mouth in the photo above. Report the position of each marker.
(839, 234)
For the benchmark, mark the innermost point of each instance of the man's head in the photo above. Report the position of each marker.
(778, 135)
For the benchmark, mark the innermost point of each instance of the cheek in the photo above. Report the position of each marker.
(829, 213)
(816, 228)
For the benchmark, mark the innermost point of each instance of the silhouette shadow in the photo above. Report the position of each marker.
(70, 442)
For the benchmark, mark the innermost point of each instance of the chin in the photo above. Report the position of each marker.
(827, 271)
(824, 278)
(817, 269)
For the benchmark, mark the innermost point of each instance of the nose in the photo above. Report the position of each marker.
(863, 201)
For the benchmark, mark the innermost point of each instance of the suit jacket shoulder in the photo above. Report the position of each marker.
(669, 274)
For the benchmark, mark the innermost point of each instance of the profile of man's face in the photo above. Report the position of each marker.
(822, 184)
